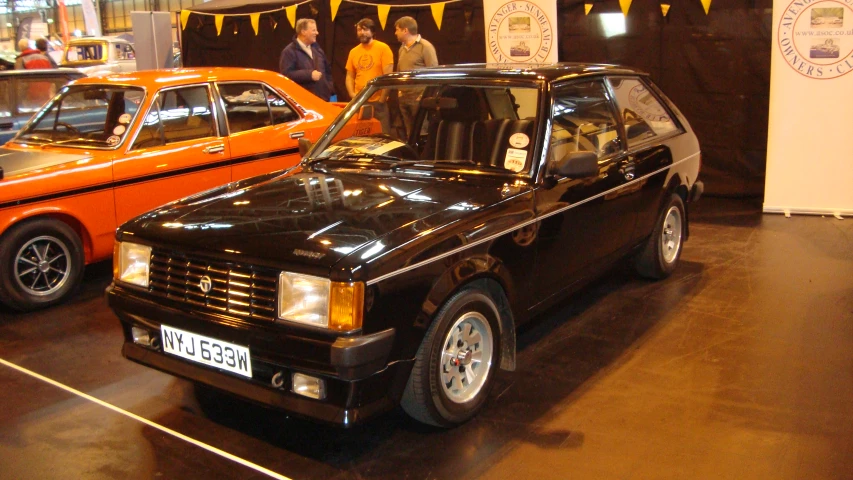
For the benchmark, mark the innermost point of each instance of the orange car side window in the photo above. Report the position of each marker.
(186, 114)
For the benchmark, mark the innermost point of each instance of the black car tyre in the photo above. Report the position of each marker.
(660, 255)
(41, 263)
(454, 367)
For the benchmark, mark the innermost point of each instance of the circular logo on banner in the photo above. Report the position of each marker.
(520, 32)
(816, 38)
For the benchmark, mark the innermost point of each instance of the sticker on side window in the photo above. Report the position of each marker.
(515, 159)
(124, 118)
(119, 129)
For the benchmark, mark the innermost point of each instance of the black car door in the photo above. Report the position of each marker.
(649, 128)
(585, 221)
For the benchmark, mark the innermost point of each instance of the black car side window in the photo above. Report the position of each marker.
(5, 104)
(645, 117)
(583, 121)
(33, 92)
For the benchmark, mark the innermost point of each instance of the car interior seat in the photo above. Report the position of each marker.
(485, 136)
(452, 137)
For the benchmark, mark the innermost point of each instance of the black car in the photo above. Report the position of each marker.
(23, 92)
(387, 270)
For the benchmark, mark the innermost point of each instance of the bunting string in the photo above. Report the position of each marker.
(400, 6)
(242, 14)
(382, 10)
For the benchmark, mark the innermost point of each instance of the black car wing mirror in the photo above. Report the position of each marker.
(366, 112)
(304, 146)
(577, 165)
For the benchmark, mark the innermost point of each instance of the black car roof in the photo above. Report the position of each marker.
(547, 71)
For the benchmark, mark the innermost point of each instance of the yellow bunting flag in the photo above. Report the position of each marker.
(218, 20)
(185, 17)
(291, 15)
(437, 13)
(383, 10)
(707, 5)
(255, 18)
(664, 8)
(335, 5)
(587, 7)
(625, 4)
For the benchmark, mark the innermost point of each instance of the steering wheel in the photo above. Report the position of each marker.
(68, 126)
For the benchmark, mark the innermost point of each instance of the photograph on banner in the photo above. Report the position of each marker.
(817, 40)
(520, 31)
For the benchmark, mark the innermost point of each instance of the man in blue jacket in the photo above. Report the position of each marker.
(304, 62)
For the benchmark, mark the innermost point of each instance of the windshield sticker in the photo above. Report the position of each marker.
(519, 140)
(113, 140)
(515, 159)
(369, 145)
(124, 118)
(119, 129)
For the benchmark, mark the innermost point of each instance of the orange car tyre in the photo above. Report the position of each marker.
(455, 365)
(41, 263)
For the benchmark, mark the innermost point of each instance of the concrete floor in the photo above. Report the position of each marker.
(738, 366)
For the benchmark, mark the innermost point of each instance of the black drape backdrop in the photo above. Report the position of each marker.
(715, 67)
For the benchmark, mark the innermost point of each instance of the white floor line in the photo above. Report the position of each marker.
(147, 422)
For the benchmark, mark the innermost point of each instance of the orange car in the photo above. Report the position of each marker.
(106, 149)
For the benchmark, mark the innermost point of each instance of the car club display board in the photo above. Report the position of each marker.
(521, 31)
(809, 159)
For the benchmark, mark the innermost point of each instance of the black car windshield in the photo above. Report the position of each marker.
(85, 116)
(479, 127)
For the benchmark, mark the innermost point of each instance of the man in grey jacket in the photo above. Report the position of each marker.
(415, 52)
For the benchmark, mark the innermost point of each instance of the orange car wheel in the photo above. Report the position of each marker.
(41, 263)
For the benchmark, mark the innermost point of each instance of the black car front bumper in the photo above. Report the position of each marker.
(360, 383)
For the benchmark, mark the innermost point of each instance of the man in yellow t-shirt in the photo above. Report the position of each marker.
(368, 60)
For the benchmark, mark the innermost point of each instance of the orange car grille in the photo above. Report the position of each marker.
(240, 290)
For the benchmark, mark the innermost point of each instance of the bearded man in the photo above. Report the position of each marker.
(368, 60)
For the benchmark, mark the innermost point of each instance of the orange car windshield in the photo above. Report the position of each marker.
(85, 116)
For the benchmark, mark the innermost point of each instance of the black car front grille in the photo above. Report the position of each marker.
(237, 289)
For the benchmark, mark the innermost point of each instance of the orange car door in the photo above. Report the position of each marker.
(177, 151)
(264, 128)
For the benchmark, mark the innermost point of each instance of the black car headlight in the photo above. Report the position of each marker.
(320, 302)
(131, 263)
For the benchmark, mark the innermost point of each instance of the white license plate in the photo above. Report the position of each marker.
(206, 350)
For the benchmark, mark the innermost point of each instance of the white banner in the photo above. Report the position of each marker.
(90, 17)
(809, 160)
(521, 31)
